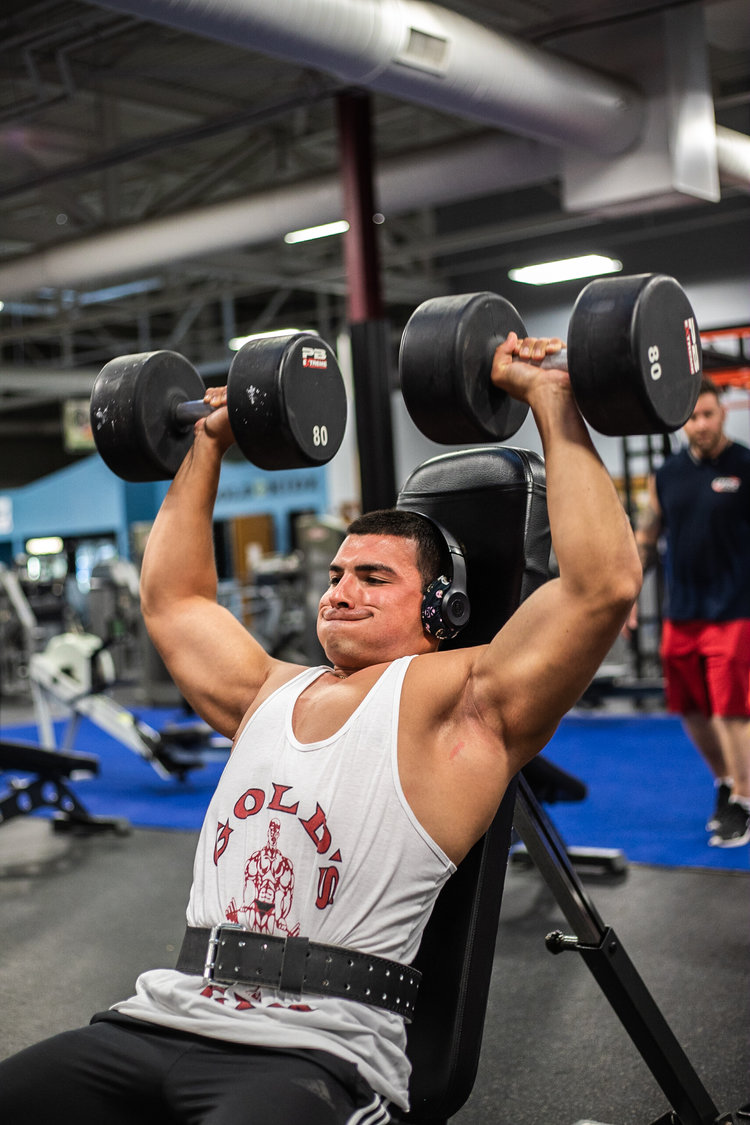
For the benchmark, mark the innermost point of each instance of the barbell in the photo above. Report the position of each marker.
(633, 356)
(285, 395)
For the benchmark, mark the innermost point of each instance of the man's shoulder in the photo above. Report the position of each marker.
(739, 452)
(676, 461)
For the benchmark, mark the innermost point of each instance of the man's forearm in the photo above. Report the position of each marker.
(647, 536)
(591, 534)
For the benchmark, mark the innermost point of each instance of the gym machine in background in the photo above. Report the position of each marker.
(19, 632)
(74, 672)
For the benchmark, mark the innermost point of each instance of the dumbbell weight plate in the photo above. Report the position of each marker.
(634, 355)
(445, 360)
(287, 401)
(132, 414)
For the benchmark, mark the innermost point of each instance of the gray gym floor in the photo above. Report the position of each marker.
(79, 918)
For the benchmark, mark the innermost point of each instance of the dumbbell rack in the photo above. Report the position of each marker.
(605, 956)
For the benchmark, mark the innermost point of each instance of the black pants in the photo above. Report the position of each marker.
(119, 1071)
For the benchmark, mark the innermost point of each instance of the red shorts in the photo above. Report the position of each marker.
(707, 667)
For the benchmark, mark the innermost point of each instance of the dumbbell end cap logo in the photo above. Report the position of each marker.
(315, 357)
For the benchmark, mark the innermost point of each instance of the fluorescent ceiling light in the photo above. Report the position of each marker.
(238, 342)
(323, 231)
(48, 545)
(547, 273)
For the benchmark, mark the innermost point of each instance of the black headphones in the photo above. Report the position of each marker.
(445, 604)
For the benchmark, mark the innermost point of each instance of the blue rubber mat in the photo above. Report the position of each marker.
(649, 792)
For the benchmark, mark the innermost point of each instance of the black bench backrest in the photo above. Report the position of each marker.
(492, 499)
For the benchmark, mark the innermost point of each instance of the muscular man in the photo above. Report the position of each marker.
(701, 498)
(379, 770)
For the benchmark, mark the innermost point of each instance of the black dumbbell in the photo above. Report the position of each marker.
(633, 355)
(285, 394)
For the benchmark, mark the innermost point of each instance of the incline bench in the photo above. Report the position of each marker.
(492, 499)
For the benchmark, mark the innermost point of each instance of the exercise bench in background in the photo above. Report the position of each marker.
(492, 499)
(33, 778)
(75, 673)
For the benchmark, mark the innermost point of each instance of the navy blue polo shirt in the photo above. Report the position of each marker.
(706, 511)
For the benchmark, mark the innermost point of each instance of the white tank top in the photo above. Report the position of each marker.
(312, 839)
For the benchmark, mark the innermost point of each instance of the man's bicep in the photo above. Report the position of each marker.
(539, 665)
(214, 661)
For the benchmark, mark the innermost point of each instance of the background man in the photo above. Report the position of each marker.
(701, 498)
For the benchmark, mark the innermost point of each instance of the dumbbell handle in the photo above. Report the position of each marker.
(558, 360)
(186, 413)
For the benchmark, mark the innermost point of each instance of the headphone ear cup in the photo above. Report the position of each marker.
(444, 612)
(456, 609)
(445, 603)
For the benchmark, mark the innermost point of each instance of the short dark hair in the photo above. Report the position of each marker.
(708, 387)
(433, 556)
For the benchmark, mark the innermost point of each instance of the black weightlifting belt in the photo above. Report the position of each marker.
(229, 954)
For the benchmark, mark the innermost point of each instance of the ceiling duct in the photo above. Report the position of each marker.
(426, 54)
(733, 152)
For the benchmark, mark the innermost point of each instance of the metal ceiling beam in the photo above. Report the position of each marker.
(142, 149)
(442, 173)
(50, 383)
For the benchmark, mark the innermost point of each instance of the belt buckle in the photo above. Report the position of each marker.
(212, 947)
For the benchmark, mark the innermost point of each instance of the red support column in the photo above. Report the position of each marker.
(370, 335)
